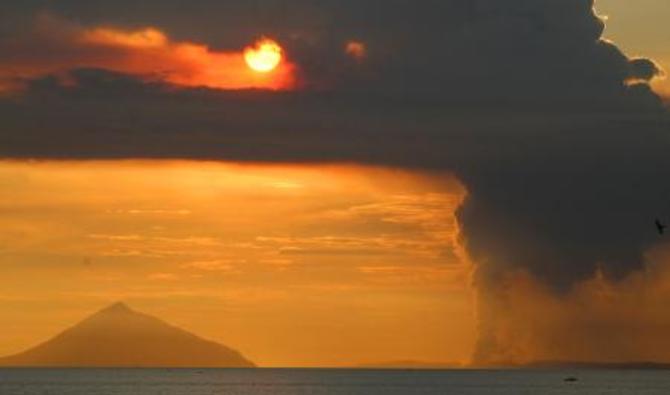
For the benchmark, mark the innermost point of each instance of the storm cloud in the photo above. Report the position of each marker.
(556, 134)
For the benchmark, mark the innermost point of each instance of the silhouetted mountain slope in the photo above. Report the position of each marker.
(120, 337)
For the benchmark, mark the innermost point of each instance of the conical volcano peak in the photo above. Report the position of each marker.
(118, 336)
(119, 307)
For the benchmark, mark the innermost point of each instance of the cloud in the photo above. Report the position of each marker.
(554, 132)
(213, 265)
(163, 277)
(54, 46)
(600, 319)
(644, 69)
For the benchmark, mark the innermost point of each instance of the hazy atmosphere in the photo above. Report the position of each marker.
(342, 183)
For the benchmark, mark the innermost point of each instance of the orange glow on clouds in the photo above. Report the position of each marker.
(356, 50)
(190, 64)
(146, 38)
(661, 85)
(150, 54)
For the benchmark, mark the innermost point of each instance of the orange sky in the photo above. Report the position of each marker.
(295, 266)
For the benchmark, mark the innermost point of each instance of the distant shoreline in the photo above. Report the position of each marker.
(529, 367)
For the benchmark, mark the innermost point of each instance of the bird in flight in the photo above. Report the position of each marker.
(661, 227)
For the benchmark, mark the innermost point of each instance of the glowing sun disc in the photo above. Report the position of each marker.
(264, 56)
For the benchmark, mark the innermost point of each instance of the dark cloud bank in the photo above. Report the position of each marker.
(561, 143)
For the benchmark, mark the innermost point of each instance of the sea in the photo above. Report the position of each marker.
(329, 382)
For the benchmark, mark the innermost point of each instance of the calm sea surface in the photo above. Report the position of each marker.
(327, 382)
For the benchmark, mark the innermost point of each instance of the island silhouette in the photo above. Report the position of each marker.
(120, 337)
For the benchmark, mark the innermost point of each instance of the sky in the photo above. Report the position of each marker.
(367, 256)
(640, 30)
(637, 28)
(335, 183)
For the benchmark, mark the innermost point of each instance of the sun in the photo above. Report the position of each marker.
(264, 56)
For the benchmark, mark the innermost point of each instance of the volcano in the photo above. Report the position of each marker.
(119, 336)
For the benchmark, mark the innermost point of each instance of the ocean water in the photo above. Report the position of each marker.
(327, 382)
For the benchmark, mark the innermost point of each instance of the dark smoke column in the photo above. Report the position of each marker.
(578, 189)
